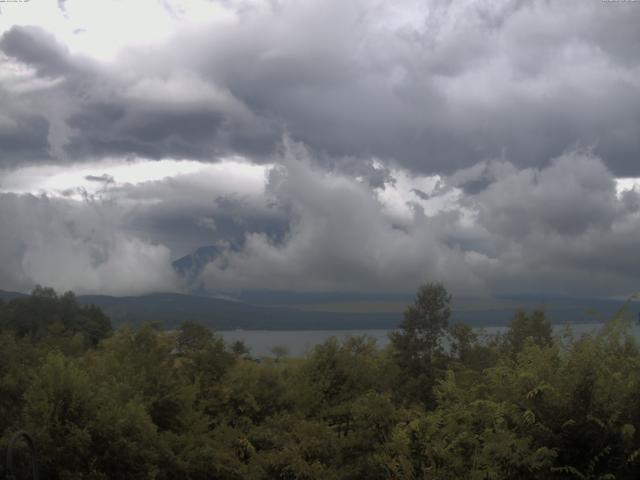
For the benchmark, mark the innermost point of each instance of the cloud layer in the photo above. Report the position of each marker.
(72, 245)
(565, 228)
(435, 86)
(321, 145)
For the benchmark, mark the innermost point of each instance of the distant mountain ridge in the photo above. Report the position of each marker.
(5, 295)
(171, 309)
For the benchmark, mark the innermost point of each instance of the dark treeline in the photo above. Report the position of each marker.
(149, 404)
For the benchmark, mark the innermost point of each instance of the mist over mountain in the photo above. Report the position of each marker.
(190, 266)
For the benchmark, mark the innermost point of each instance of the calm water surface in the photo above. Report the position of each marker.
(298, 342)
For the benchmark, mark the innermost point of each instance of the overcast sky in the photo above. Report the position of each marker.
(321, 145)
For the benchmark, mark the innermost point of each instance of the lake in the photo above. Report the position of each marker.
(298, 342)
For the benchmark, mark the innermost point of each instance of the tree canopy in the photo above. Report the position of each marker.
(417, 343)
(151, 404)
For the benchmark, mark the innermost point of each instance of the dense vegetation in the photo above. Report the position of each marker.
(146, 403)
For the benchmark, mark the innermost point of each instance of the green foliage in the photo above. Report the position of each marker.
(240, 349)
(279, 352)
(418, 342)
(533, 327)
(193, 337)
(150, 404)
(85, 431)
(59, 320)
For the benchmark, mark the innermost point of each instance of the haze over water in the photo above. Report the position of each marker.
(299, 342)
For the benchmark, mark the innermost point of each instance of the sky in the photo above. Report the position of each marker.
(321, 145)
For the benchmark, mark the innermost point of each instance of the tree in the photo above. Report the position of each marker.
(534, 325)
(279, 351)
(418, 340)
(193, 336)
(240, 349)
(57, 320)
(83, 429)
(463, 339)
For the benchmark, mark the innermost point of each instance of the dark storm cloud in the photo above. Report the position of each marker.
(437, 89)
(36, 47)
(525, 80)
(152, 116)
(203, 219)
(127, 127)
(28, 99)
(23, 137)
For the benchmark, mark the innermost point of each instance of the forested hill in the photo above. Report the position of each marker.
(282, 311)
(4, 295)
(171, 309)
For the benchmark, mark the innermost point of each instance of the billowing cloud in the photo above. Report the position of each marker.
(295, 225)
(77, 246)
(536, 230)
(434, 86)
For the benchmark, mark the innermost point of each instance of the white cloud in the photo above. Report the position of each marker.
(121, 266)
(78, 180)
(627, 185)
(104, 29)
(76, 245)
